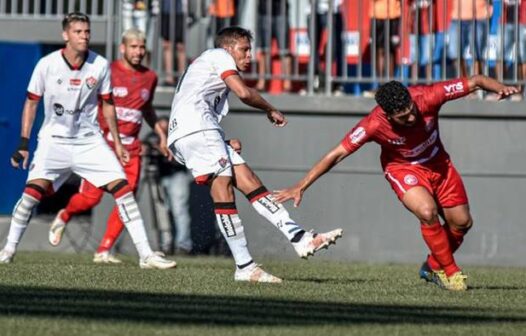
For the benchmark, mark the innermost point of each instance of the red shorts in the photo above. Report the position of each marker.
(132, 170)
(442, 181)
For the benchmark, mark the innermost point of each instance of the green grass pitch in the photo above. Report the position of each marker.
(66, 294)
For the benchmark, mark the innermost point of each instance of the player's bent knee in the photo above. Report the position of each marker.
(427, 213)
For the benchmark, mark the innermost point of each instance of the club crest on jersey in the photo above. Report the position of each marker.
(120, 91)
(91, 82)
(357, 135)
(223, 162)
(410, 180)
(145, 94)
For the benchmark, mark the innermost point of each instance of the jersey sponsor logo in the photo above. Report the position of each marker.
(60, 110)
(145, 94)
(410, 180)
(454, 88)
(91, 82)
(120, 91)
(129, 115)
(422, 147)
(75, 81)
(357, 135)
(399, 141)
(173, 125)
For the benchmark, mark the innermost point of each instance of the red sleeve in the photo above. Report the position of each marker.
(441, 92)
(107, 97)
(359, 135)
(32, 96)
(228, 73)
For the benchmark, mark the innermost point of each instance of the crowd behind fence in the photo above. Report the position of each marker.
(370, 41)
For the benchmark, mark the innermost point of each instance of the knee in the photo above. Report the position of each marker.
(427, 213)
(463, 223)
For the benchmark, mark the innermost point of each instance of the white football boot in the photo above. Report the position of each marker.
(312, 242)
(56, 230)
(156, 261)
(6, 256)
(254, 273)
(105, 257)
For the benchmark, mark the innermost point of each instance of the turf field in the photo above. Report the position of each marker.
(61, 294)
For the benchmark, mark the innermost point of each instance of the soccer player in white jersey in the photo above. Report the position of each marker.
(73, 81)
(197, 141)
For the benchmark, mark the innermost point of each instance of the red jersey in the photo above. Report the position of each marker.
(418, 144)
(133, 92)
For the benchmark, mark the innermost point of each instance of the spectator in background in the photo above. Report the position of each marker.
(173, 19)
(223, 13)
(469, 18)
(385, 34)
(134, 15)
(321, 23)
(273, 22)
(422, 26)
(507, 26)
(175, 181)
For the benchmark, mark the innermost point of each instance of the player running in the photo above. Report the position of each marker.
(415, 163)
(73, 81)
(133, 91)
(197, 141)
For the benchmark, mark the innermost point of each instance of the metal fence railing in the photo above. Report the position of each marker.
(321, 46)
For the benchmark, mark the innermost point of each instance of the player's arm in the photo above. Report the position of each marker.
(252, 98)
(21, 154)
(151, 119)
(477, 82)
(326, 163)
(108, 111)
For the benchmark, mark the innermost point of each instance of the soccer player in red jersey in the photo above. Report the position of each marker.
(133, 90)
(415, 163)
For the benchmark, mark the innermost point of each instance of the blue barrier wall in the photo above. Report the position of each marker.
(17, 62)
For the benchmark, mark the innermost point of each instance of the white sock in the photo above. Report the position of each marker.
(234, 233)
(275, 212)
(132, 220)
(20, 219)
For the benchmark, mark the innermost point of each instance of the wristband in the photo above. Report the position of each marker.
(24, 144)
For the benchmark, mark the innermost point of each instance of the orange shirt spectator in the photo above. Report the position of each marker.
(471, 9)
(385, 9)
(222, 8)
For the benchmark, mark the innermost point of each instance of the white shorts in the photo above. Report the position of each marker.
(206, 153)
(94, 161)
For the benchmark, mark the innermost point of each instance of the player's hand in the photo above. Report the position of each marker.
(294, 193)
(277, 118)
(122, 154)
(163, 148)
(19, 159)
(235, 144)
(507, 91)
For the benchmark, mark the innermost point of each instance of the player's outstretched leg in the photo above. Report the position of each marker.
(31, 196)
(87, 197)
(233, 231)
(305, 243)
(132, 220)
(114, 229)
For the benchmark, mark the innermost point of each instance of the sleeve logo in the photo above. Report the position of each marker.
(357, 135)
(454, 88)
(410, 180)
(91, 82)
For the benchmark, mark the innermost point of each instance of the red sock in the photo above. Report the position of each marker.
(437, 240)
(114, 228)
(455, 238)
(77, 204)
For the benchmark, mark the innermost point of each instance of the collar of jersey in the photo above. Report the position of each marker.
(74, 67)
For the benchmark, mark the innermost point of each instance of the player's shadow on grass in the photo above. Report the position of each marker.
(225, 310)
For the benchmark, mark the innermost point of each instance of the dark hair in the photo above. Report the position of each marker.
(230, 35)
(74, 17)
(393, 97)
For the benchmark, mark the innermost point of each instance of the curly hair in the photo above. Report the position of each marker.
(393, 97)
(230, 35)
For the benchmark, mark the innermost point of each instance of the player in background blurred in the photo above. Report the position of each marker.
(415, 163)
(73, 81)
(133, 91)
(197, 141)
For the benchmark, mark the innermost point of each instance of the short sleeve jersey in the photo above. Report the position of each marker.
(200, 101)
(133, 93)
(418, 144)
(71, 95)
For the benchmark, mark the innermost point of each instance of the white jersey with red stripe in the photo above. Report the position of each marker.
(200, 101)
(71, 95)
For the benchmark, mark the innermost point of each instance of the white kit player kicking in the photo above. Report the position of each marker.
(72, 82)
(197, 141)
